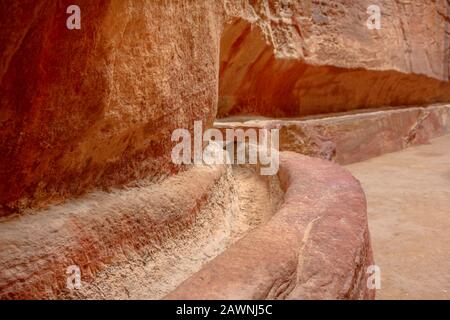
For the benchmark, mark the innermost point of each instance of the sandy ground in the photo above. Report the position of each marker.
(408, 194)
(241, 201)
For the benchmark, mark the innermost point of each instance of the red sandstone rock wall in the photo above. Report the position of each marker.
(89, 108)
(288, 58)
(96, 106)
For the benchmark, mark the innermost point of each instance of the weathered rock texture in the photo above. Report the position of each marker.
(35, 250)
(96, 106)
(89, 109)
(286, 58)
(316, 246)
(352, 137)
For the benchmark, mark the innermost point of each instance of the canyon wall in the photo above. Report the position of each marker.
(96, 107)
(93, 109)
(293, 58)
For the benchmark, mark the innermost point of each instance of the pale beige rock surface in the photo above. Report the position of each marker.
(408, 195)
(316, 246)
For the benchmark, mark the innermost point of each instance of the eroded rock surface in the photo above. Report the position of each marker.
(290, 58)
(353, 136)
(96, 107)
(317, 246)
(139, 243)
(83, 110)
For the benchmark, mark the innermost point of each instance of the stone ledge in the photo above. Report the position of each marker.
(95, 231)
(353, 137)
(317, 246)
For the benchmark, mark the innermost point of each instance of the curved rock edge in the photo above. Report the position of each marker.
(97, 230)
(317, 246)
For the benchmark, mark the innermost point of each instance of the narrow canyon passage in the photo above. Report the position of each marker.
(408, 196)
(113, 112)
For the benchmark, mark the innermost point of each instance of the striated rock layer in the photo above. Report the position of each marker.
(290, 58)
(352, 137)
(101, 229)
(94, 108)
(316, 245)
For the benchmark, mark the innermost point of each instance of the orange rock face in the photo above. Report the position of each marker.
(297, 58)
(95, 107)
